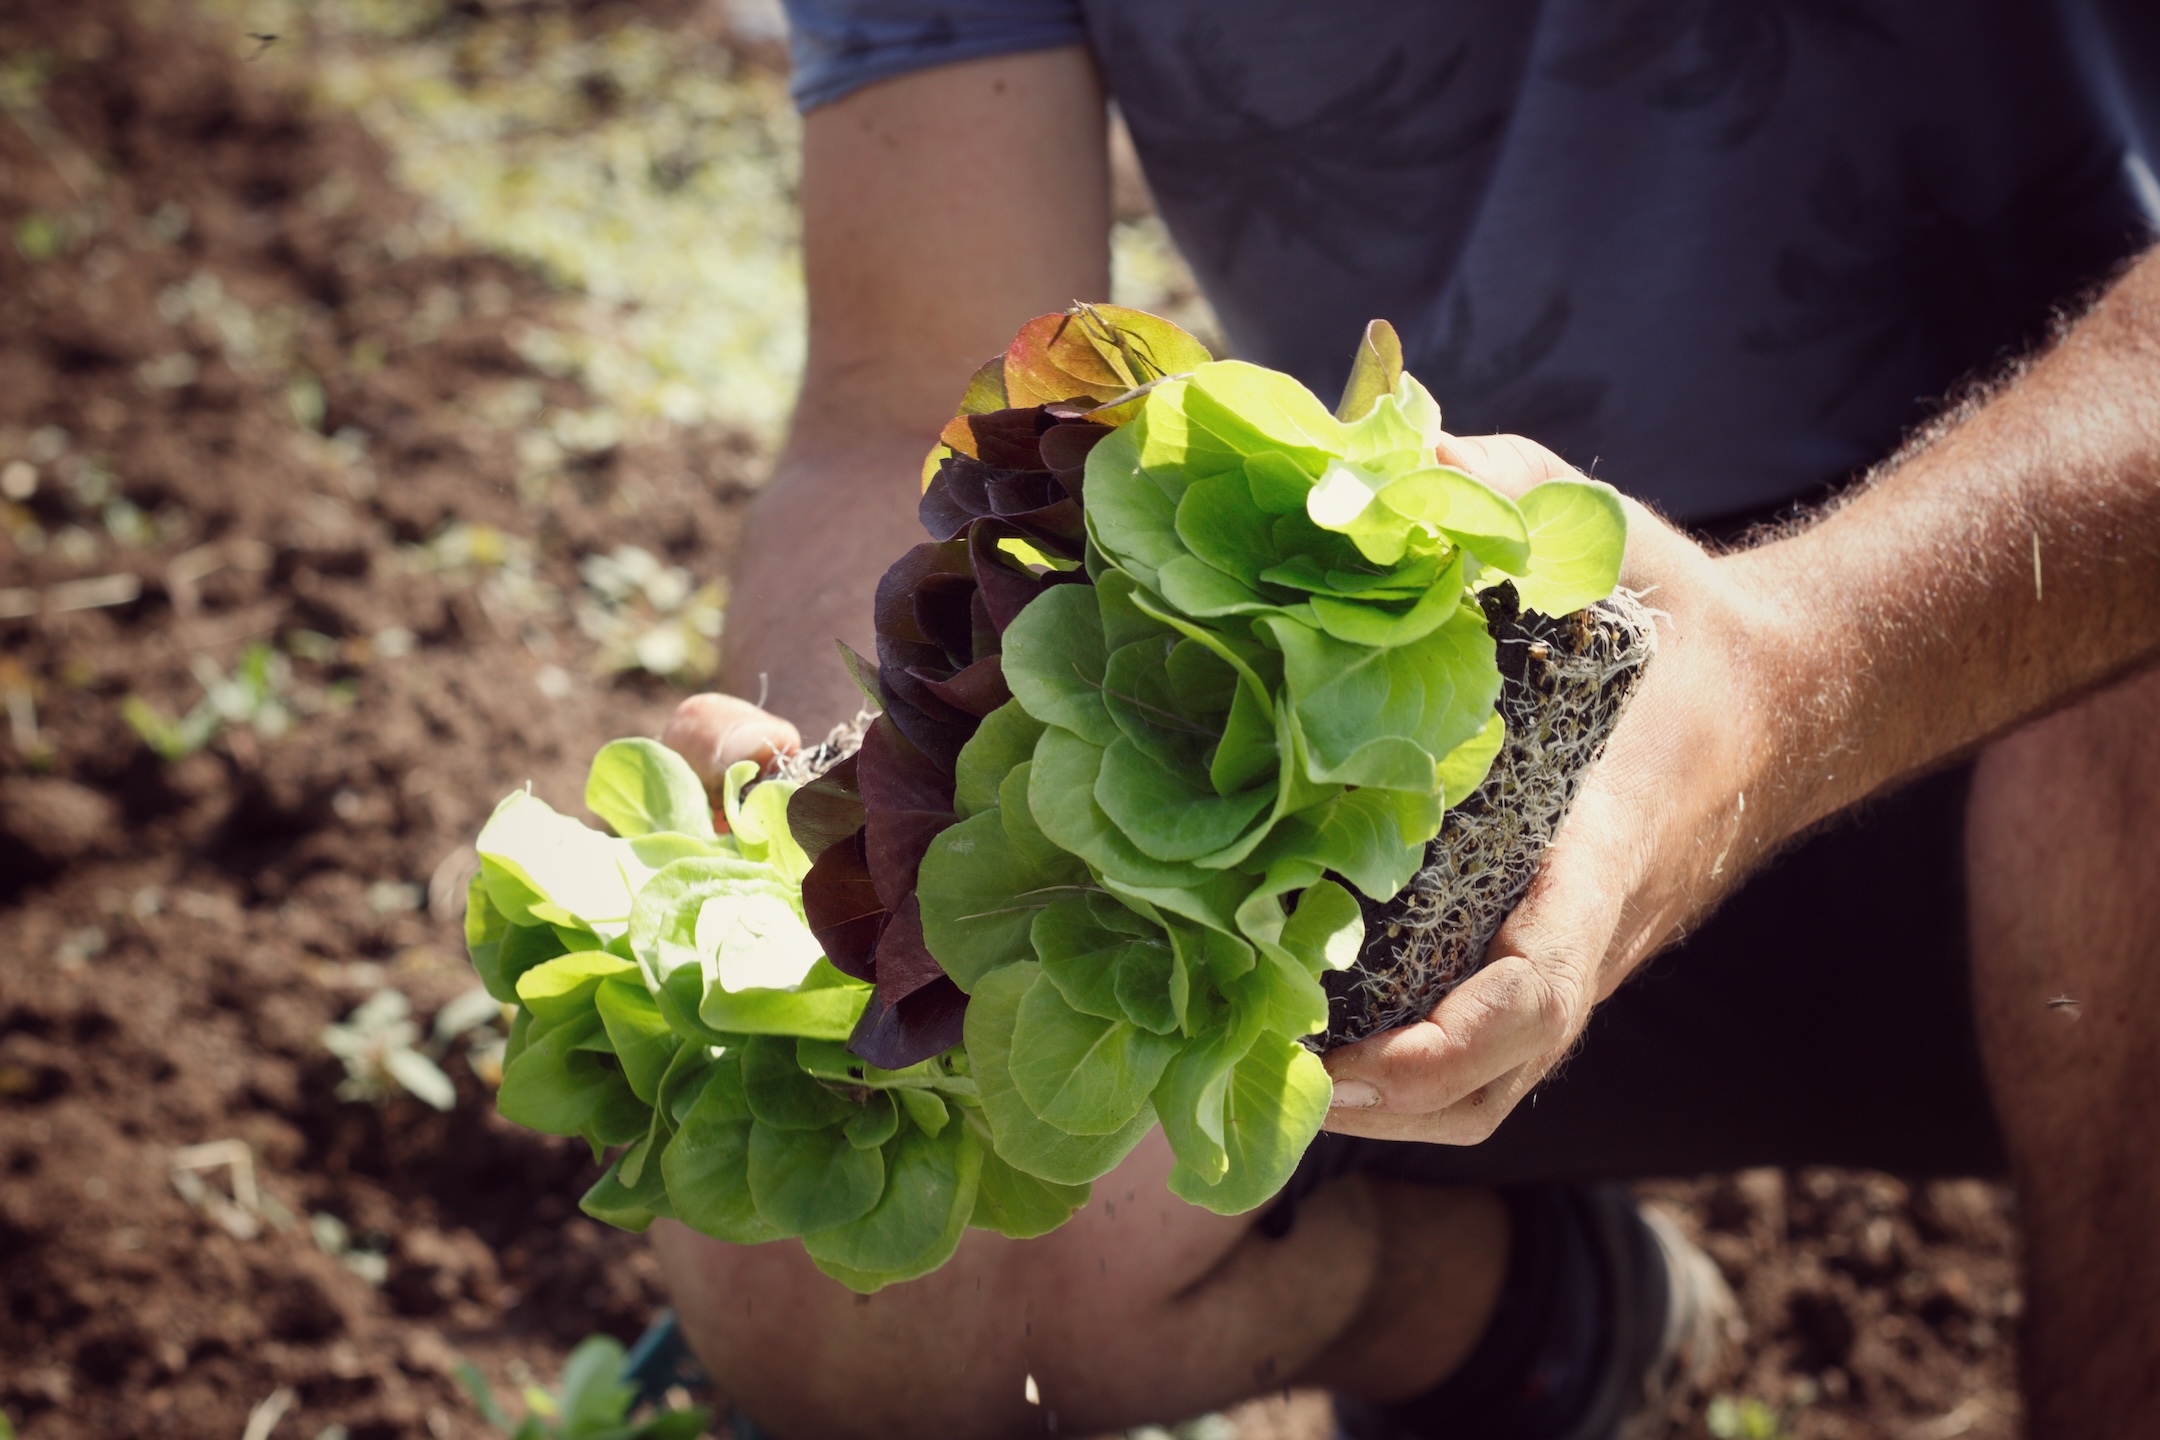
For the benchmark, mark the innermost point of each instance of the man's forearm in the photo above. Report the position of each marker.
(834, 517)
(2000, 572)
(918, 269)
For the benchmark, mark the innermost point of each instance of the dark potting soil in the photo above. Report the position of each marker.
(175, 936)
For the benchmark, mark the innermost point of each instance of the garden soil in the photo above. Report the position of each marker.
(243, 405)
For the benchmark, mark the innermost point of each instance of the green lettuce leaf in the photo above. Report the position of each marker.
(1082, 1073)
(809, 1180)
(640, 787)
(1006, 737)
(707, 1165)
(544, 868)
(1024, 1139)
(980, 896)
(1578, 536)
(1269, 1111)
(1018, 1205)
(916, 1224)
(758, 822)
(562, 1083)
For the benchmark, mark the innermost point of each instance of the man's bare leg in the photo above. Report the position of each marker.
(2064, 859)
(1141, 1309)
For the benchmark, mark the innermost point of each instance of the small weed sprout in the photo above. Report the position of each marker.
(379, 1042)
(366, 1256)
(499, 564)
(594, 1402)
(1729, 1418)
(253, 695)
(649, 615)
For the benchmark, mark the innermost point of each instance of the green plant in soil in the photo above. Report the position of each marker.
(1189, 666)
(1729, 1418)
(593, 1403)
(253, 695)
(380, 1046)
(673, 1007)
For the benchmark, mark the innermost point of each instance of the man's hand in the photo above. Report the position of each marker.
(1653, 839)
(2003, 568)
(714, 731)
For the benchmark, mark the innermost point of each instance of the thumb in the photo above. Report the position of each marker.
(1522, 1008)
(1510, 464)
(714, 731)
(1565, 922)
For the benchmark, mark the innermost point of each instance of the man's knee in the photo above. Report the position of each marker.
(1132, 1306)
(810, 1358)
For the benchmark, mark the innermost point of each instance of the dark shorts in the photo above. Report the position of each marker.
(1823, 1016)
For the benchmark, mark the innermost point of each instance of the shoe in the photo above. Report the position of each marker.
(1669, 1320)
(1702, 1326)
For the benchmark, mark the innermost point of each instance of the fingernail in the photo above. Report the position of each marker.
(1354, 1095)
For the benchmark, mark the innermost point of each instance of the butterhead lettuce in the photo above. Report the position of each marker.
(1176, 693)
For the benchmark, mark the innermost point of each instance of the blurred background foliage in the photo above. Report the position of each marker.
(644, 158)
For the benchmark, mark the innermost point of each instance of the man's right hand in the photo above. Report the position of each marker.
(713, 731)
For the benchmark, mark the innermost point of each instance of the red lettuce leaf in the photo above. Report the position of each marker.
(905, 964)
(827, 810)
(941, 612)
(917, 1010)
(978, 689)
(894, 608)
(844, 911)
(1009, 439)
(927, 1022)
(1006, 586)
(894, 842)
(907, 799)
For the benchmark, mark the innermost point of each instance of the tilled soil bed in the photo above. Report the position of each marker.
(240, 407)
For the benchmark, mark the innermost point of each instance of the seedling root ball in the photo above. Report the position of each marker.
(1213, 728)
(1565, 685)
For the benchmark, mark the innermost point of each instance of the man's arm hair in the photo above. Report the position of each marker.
(940, 210)
(2002, 569)
(1798, 678)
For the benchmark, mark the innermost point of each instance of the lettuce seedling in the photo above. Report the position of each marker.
(1247, 704)
(254, 694)
(674, 1010)
(1179, 691)
(380, 1047)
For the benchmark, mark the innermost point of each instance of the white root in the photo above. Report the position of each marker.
(1577, 676)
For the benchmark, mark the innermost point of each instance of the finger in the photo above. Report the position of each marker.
(1507, 1014)
(715, 731)
(1469, 1121)
(1528, 1001)
(1510, 464)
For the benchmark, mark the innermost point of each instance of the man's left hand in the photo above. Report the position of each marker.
(1658, 832)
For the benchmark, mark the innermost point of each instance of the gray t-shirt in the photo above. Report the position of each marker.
(1721, 252)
